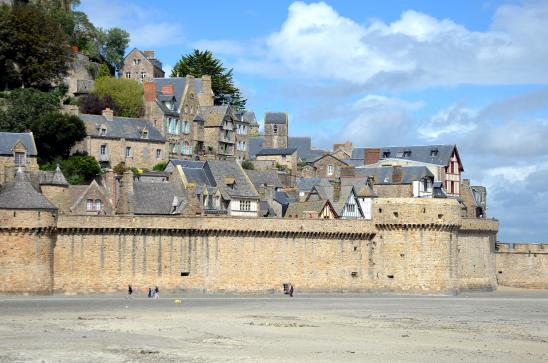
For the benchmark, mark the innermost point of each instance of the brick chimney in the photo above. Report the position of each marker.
(149, 91)
(108, 114)
(167, 90)
(206, 93)
(109, 182)
(371, 156)
(149, 54)
(396, 174)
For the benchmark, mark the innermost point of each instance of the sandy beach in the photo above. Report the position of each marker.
(505, 326)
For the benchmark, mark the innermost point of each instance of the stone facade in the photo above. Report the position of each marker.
(141, 66)
(275, 130)
(16, 149)
(81, 75)
(522, 265)
(328, 166)
(289, 160)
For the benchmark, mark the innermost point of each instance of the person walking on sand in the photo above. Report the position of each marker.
(156, 293)
(129, 291)
(149, 292)
(290, 290)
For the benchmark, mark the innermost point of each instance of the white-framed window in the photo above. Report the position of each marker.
(102, 131)
(129, 152)
(97, 204)
(351, 208)
(136, 61)
(128, 75)
(143, 75)
(158, 153)
(245, 205)
(330, 170)
(144, 134)
(103, 149)
(20, 158)
(90, 205)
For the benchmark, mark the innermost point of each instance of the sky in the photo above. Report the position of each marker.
(383, 73)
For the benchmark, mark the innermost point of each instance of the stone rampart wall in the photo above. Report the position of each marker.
(522, 265)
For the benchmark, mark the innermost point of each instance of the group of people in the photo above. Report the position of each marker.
(152, 293)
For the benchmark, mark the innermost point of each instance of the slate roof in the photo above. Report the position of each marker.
(214, 115)
(179, 84)
(20, 194)
(275, 117)
(242, 187)
(9, 139)
(158, 198)
(260, 178)
(121, 127)
(361, 187)
(306, 184)
(265, 210)
(277, 151)
(423, 153)
(297, 209)
(326, 155)
(303, 144)
(283, 198)
(53, 177)
(254, 145)
(247, 117)
(383, 175)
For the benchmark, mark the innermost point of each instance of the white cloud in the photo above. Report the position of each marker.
(512, 173)
(415, 51)
(452, 120)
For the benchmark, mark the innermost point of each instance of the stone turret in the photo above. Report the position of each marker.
(54, 187)
(27, 234)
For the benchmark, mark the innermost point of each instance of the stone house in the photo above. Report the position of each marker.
(343, 198)
(16, 149)
(398, 181)
(135, 142)
(141, 66)
(275, 130)
(284, 158)
(326, 166)
(219, 125)
(313, 209)
(473, 202)
(442, 160)
(245, 124)
(173, 105)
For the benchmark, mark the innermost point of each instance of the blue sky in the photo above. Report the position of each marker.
(472, 73)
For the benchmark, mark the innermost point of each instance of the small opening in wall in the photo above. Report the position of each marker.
(396, 214)
(500, 272)
(424, 210)
(380, 210)
(354, 274)
(390, 276)
(14, 214)
(402, 254)
(440, 216)
(355, 248)
(185, 273)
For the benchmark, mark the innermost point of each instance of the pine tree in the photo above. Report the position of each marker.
(199, 63)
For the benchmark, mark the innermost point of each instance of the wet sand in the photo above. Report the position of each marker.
(505, 326)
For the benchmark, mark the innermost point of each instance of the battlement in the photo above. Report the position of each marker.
(417, 213)
(503, 247)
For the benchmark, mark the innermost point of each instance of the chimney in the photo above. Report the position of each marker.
(108, 114)
(167, 90)
(371, 156)
(267, 193)
(396, 174)
(206, 93)
(150, 91)
(126, 194)
(109, 182)
(348, 147)
(149, 54)
(336, 189)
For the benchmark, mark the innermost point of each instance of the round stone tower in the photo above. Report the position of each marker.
(27, 237)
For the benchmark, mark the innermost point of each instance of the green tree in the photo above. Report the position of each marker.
(56, 133)
(78, 168)
(248, 165)
(104, 71)
(127, 94)
(33, 47)
(113, 43)
(25, 105)
(200, 63)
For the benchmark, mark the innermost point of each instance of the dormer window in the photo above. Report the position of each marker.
(434, 152)
(20, 158)
(407, 153)
(386, 154)
(102, 130)
(275, 129)
(144, 133)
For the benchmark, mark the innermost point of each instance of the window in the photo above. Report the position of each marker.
(245, 205)
(102, 131)
(434, 152)
(407, 153)
(452, 167)
(386, 154)
(173, 148)
(129, 152)
(330, 170)
(128, 75)
(351, 208)
(275, 129)
(158, 153)
(136, 62)
(103, 149)
(143, 75)
(144, 134)
(97, 204)
(19, 158)
(90, 205)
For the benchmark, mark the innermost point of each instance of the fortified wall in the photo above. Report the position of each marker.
(522, 265)
(410, 245)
